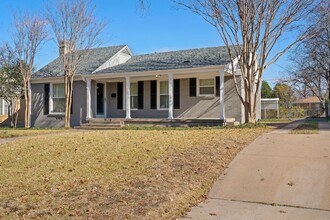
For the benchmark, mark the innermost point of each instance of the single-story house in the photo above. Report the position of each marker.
(311, 105)
(113, 83)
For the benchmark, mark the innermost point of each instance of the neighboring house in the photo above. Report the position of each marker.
(4, 121)
(311, 105)
(3, 110)
(186, 84)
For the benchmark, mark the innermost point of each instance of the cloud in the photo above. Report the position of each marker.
(165, 49)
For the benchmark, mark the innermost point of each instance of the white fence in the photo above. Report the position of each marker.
(270, 105)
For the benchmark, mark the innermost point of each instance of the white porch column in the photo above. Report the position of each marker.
(222, 95)
(170, 95)
(128, 97)
(88, 99)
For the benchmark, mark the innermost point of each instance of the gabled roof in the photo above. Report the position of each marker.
(313, 99)
(172, 60)
(95, 58)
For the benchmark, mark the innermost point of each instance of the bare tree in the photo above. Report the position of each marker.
(76, 31)
(311, 59)
(11, 82)
(251, 30)
(30, 33)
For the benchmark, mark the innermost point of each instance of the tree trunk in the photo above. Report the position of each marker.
(27, 94)
(68, 100)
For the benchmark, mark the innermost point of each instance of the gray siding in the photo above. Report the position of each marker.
(190, 107)
(39, 119)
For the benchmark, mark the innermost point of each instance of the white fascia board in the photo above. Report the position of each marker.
(198, 70)
(270, 99)
(118, 58)
(184, 72)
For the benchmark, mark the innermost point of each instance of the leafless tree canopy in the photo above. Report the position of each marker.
(311, 59)
(30, 33)
(255, 28)
(76, 30)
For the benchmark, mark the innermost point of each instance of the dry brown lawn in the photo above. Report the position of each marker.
(114, 174)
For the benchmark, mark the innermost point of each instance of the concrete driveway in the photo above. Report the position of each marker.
(278, 176)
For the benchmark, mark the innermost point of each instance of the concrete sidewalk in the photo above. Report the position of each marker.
(278, 176)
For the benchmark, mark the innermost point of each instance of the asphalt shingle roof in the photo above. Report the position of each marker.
(140, 63)
(95, 58)
(172, 60)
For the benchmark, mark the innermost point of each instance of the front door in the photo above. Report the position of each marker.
(100, 99)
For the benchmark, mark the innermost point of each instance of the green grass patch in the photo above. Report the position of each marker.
(114, 174)
(20, 132)
(309, 127)
(277, 120)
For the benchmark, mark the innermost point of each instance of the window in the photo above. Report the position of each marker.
(163, 95)
(206, 87)
(134, 95)
(3, 107)
(58, 98)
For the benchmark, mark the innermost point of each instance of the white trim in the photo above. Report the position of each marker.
(137, 95)
(242, 105)
(88, 99)
(51, 102)
(2, 103)
(222, 96)
(270, 99)
(128, 97)
(158, 94)
(170, 95)
(198, 86)
(104, 100)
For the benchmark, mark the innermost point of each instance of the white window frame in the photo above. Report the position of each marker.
(198, 87)
(137, 95)
(158, 94)
(124, 96)
(4, 111)
(51, 102)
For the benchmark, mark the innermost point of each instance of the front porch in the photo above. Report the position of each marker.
(154, 97)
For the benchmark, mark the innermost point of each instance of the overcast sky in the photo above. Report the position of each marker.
(162, 27)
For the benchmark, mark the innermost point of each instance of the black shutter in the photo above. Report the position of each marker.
(140, 94)
(176, 93)
(192, 87)
(71, 110)
(217, 86)
(120, 95)
(153, 94)
(46, 99)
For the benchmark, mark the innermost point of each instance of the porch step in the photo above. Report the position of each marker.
(117, 123)
(101, 124)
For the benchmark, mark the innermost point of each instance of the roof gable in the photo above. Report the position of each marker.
(89, 63)
(120, 57)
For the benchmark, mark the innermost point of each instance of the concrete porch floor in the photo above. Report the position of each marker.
(115, 123)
